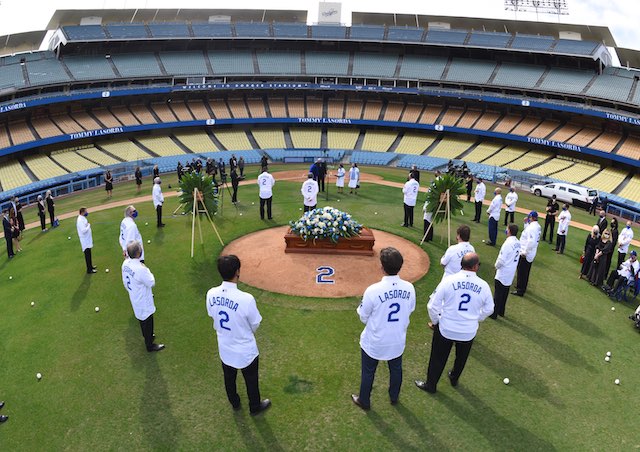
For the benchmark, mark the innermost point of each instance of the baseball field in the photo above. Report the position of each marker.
(101, 390)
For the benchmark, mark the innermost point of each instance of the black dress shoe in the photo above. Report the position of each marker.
(394, 402)
(355, 399)
(266, 403)
(454, 381)
(156, 348)
(3, 418)
(423, 385)
(236, 407)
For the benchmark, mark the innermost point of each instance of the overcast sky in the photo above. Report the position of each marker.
(621, 16)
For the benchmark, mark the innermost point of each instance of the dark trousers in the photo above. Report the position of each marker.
(524, 267)
(560, 241)
(500, 295)
(508, 215)
(321, 183)
(250, 374)
(549, 223)
(87, 259)
(241, 171)
(146, 326)
(51, 217)
(440, 350)
(309, 208)
(493, 230)
(408, 215)
(159, 214)
(621, 257)
(478, 211)
(268, 203)
(42, 219)
(469, 195)
(430, 234)
(615, 279)
(234, 194)
(369, 366)
(8, 238)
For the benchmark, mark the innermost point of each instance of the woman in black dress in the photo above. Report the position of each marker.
(108, 180)
(614, 241)
(41, 214)
(598, 270)
(51, 206)
(19, 216)
(138, 175)
(589, 251)
(156, 171)
(15, 231)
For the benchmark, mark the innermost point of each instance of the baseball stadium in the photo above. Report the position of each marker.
(98, 95)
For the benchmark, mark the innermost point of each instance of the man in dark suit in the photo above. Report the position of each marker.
(322, 174)
(602, 222)
(235, 180)
(550, 219)
(6, 226)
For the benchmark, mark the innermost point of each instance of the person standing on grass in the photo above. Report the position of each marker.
(51, 207)
(158, 200)
(529, 240)
(235, 320)
(624, 240)
(452, 259)
(385, 310)
(506, 265)
(139, 281)
(265, 184)
(241, 166)
(550, 219)
(8, 233)
(410, 192)
(138, 176)
(340, 178)
(86, 238)
(108, 183)
(354, 178)
(309, 192)
(456, 307)
(494, 216)
(478, 197)
(563, 227)
(41, 214)
(510, 206)
(129, 231)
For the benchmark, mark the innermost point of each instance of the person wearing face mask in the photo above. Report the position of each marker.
(550, 219)
(614, 241)
(86, 238)
(599, 268)
(129, 232)
(494, 216)
(158, 200)
(602, 221)
(563, 227)
(510, 205)
(624, 239)
(506, 266)
(626, 272)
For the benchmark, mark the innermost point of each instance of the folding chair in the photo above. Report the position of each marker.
(630, 288)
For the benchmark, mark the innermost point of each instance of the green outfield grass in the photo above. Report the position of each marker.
(102, 391)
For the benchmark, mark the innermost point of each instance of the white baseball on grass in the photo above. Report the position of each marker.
(240, 213)
(608, 353)
(483, 241)
(617, 381)
(106, 270)
(97, 309)
(148, 241)
(506, 381)
(253, 203)
(69, 238)
(10, 277)
(33, 303)
(613, 308)
(146, 224)
(375, 213)
(607, 359)
(39, 376)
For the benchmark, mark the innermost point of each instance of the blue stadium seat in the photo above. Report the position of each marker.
(327, 63)
(470, 71)
(532, 42)
(405, 34)
(84, 32)
(211, 30)
(169, 30)
(367, 32)
(574, 47)
(252, 30)
(42, 72)
(87, 67)
(374, 64)
(440, 36)
(11, 76)
(328, 32)
(289, 30)
(518, 75)
(279, 62)
(136, 64)
(231, 62)
(496, 40)
(184, 63)
(127, 31)
(423, 67)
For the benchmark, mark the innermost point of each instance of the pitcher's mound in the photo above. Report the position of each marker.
(266, 266)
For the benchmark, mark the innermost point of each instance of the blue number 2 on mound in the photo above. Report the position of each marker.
(324, 275)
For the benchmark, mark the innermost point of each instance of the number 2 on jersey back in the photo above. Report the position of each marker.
(466, 298)
(395, 308)
(224, 318)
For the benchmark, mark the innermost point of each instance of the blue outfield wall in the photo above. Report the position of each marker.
(324, 121)
(251, 86)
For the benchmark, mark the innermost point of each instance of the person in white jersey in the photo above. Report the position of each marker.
(494, 216)
(452, 259)
(235, 319)
(529, 240)
(510, 206)
(129, 231)
(385, 310)
(506, 266)
(478, 197)
(456, 307)
(624, 240)
(86, 238)
(139, 281)
(158, 200)
(309, 192)
(563, 227)
(354, 178)
(410, 192)
(340, 178)
(266, 183)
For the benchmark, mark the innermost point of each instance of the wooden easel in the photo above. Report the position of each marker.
(444, 199)
(198, 208)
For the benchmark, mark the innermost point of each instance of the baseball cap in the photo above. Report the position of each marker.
(633, 253)
(533, 214)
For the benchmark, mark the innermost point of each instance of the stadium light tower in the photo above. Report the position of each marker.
(556, 7)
